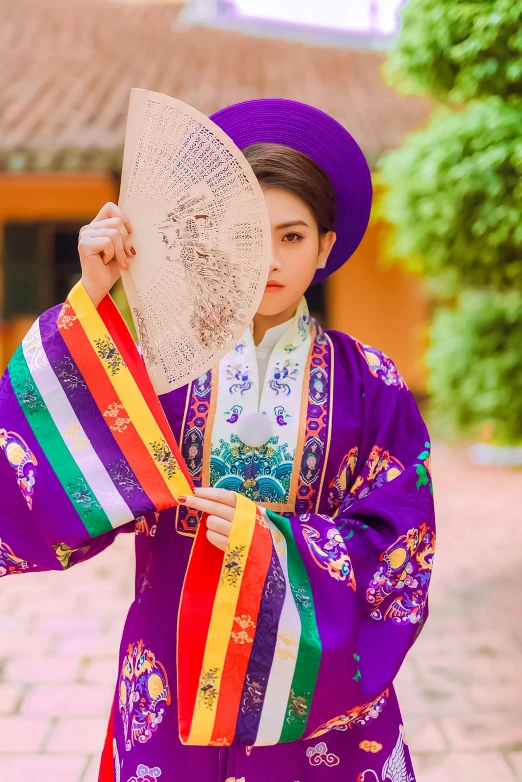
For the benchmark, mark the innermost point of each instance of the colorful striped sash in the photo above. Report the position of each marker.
(92, 409)
(249, 651)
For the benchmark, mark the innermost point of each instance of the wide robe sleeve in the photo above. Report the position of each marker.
(86, 447)
(304, 622)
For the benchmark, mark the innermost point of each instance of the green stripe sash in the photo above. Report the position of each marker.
(55, 449)
(309, 654)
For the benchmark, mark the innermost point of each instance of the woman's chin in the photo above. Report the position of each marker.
(272, 303)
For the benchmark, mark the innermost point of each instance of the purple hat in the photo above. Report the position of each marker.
(316, 134)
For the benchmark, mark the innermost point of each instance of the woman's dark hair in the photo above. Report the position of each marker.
(278, 166)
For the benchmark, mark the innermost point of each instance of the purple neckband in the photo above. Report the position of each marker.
(316, 134)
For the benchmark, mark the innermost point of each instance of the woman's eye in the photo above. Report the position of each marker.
(292, 238)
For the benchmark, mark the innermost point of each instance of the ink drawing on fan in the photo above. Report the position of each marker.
(202, 238)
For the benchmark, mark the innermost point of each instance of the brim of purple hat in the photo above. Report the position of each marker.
(316, 134)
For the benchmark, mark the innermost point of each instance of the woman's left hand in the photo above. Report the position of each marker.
(220, 504)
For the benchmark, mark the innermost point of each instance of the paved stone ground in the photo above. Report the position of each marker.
(461, 688)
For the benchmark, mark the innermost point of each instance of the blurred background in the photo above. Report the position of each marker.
(432, 91)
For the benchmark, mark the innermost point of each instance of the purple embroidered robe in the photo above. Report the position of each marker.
(362, 465)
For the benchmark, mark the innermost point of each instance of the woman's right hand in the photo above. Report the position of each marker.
(105, 246)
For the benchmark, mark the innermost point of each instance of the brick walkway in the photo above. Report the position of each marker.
(461, 688)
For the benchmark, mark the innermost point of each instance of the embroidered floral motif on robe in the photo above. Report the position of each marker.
(281, 663)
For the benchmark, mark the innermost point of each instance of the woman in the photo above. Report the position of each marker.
(310, 459)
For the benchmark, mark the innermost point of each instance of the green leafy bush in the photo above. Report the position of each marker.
(476, 365)
(460, 49)
(454, 195)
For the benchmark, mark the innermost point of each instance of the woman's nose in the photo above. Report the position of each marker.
(275, 264)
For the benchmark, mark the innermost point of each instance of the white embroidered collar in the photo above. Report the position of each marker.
(248, 422)
(238, 371)
(273, 335)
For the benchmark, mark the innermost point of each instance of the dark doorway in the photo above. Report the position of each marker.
(41, 265)
(67, 270)
(315, 296)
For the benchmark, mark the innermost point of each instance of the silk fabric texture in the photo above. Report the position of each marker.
(341, 570)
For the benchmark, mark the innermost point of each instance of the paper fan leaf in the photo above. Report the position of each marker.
(218, 299)
(201, 234)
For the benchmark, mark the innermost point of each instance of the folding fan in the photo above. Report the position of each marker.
(201, 234)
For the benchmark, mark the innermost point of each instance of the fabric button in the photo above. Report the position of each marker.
(254, 429)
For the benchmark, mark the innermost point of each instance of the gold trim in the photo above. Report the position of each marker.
(209, 426)
(181, 436)
(192, 535)
(331, 381)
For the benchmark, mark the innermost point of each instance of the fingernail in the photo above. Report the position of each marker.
(182, 500)
(133, 251)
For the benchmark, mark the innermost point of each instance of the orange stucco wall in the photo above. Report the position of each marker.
(53, 196)
(383, 307)
(46, 197)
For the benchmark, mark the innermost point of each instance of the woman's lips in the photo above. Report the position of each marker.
(273, 285)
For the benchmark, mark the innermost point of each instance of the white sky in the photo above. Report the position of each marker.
(351, 15)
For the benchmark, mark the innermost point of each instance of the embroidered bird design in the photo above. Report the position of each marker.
(394, 768)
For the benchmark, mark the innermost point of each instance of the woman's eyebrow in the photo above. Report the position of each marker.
(290, 224)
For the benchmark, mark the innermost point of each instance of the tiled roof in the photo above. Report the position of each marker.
(66, 68)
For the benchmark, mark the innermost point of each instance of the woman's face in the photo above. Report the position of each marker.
(297, 250)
